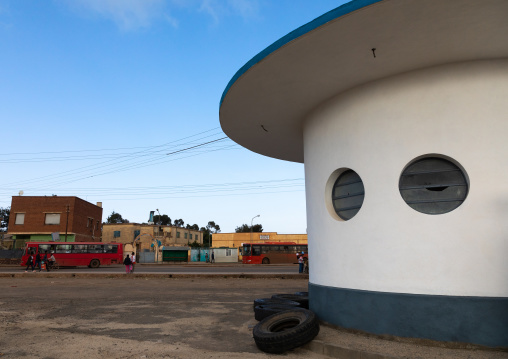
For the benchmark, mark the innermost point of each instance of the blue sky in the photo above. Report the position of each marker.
(96, 96)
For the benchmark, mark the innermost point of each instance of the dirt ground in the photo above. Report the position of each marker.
(134, 317)
(138, 317)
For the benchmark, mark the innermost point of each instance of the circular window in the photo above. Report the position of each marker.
(433, 185)
(348, 194)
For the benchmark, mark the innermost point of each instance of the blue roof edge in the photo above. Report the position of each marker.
(308, 27)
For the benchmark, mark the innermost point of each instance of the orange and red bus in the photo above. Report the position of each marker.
(91, 254)
(272, 252)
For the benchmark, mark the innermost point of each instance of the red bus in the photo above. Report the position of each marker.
(91, 254)
(272, 252)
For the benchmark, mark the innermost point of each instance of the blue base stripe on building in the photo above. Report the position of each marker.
(477, 320)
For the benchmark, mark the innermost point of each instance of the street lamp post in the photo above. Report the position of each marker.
(251, 227)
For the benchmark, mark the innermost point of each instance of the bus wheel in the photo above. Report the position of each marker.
(286, 330)
(265, 261)
(94, 263)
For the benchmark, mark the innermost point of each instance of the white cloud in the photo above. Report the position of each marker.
(126, 14)
(246, 8)
(135, 14)
(220, 8)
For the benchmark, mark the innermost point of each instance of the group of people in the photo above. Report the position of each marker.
(303, 262)
(129, 263)
(208, 259)
(36, 261)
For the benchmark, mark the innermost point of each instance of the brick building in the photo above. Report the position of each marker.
(46, 218)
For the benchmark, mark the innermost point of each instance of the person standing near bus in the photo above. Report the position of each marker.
(38, 261)
(30, 262)
(133, 262)
(51, 261)
(127, 262)
(45, 260)
(300, 263)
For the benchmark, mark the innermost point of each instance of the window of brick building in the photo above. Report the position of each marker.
(52, 218)
(20, 218)
(116, 234)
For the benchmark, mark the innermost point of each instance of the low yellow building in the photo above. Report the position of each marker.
(235, 240)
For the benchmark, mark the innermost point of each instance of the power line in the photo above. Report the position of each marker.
(202, 144)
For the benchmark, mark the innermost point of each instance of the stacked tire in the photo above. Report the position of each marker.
(285, 322)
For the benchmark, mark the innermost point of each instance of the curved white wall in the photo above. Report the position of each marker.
(460, 111)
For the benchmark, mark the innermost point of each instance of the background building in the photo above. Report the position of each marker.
(143, 237)
(44, 218)
(398, 109)
(235, 240)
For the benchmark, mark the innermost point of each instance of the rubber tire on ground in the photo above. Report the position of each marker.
(302, 299)
(269, 301)
(94, 263)
(265, 261)
(263, 311)
(284, 331)
(305, 294)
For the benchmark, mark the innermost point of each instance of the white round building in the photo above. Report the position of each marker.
(399, 111)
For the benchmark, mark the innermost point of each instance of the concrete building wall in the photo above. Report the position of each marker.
(391, 269)
(457, 111)
(167, 235)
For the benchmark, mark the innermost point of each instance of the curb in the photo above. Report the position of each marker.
(153, 275)
(336, 351)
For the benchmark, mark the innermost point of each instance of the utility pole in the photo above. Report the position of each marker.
(67, 222)
(251, 226)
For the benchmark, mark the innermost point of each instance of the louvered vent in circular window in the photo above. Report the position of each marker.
(348, 194)
(433, 185)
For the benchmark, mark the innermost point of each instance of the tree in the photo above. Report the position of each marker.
(194, 226)
(178, 222)
(210, 229)
(116, 218)
(164, 220)
(194, 244)
(4, 218)
(245, 228)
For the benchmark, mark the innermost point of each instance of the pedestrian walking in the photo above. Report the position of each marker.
(213, 257)
(30, 262)
(206, 257)
(127, 262)
(133, 262)
(38, 261)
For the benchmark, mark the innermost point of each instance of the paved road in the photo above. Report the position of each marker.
(172, 268)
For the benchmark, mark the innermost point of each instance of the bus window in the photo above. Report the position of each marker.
(95, 248)
(44, 247)
(111, 248)
(63, 248)
(265, 249)
(246, 250)
(256, 250)
(79, 248)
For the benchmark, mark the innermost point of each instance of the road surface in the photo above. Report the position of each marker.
(175, 268)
